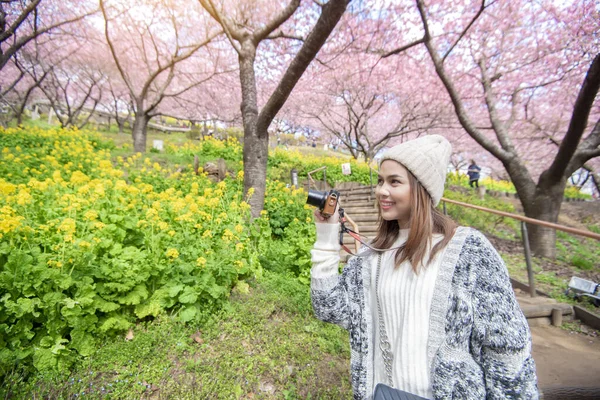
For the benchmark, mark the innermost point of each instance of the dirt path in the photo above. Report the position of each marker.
(565, 358)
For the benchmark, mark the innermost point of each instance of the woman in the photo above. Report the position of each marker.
(438, 301)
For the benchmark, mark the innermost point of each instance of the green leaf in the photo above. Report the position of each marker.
(136, 296)
(59, 346)
(116, 249)
(152, 308)
(188, 296)
(83, 342)
(115, 323)
(115, 218)
(44, 360)
(69, 303)
(242, 287)
(27, 306)
(174, 290)
(188, 314)
(105, 306)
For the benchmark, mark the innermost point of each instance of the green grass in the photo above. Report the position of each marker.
(266, 344)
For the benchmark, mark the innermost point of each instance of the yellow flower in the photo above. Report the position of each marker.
(227, 235)
(56, 264)
(162, 225)
(68, 226)
(79, 177)
(201, 262)
(239, 247)
(91, 215)
(172, 254)
(239, 228)
(207, 234)
(171, 233)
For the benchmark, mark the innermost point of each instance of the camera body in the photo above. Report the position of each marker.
(326, 202)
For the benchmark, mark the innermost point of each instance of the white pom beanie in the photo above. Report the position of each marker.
(427, 158)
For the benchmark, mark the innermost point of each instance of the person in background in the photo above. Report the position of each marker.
(473, 173)
(428, 305)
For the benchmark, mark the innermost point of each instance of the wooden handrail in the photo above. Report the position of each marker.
(355, 228)
(534, 221)
(309, 174)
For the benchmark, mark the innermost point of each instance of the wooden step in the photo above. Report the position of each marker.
(360, 210)
(363, 190)
(362, 218)
(357, 201)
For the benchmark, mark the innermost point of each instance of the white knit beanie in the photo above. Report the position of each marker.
(427, 158)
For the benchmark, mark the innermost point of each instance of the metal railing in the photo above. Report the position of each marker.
(524, 221)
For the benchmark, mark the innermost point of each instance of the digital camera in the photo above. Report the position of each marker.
(324, 201)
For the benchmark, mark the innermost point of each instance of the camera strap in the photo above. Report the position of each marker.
(356, 236)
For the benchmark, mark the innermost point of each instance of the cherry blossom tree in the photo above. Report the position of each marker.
(21, 78)
(249, 25)
(369, 104)
(23, 21)
(520, 75)
(73, 89)
(156, 47)
(118, 102)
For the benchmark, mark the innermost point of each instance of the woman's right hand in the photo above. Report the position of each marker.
(334, 219)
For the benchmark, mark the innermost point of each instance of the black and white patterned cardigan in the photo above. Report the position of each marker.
(479, 341)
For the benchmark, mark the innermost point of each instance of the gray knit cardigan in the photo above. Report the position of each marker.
(479, 341)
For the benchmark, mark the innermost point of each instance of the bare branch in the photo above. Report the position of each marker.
(276, 22)
(581, 111)
(469, 25)
(231, 33)
(403, 48)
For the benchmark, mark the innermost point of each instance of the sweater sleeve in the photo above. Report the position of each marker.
(501, 329)
(328, 292)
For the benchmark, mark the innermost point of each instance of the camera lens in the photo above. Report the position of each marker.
(316, 198)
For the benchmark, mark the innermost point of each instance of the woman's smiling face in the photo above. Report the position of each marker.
(393, 192)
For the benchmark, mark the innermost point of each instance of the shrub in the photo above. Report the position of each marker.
(85, 253)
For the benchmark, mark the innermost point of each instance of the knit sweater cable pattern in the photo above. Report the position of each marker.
(479, 341)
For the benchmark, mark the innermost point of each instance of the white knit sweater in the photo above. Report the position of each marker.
(406, 307)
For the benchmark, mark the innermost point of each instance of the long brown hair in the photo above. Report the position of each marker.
(424, 221)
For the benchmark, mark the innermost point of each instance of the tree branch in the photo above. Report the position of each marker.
(403, 48)
(464, 32)
(332, 12)
(231, 33)
(276, 22)
(581, 111)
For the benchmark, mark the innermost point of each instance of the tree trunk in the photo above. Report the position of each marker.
(140, 126)
(544, 206)
(256, 144)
